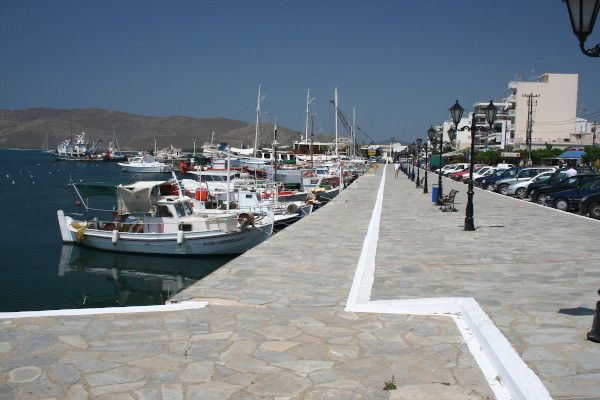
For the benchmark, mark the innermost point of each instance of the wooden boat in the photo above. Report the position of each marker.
(153, 217)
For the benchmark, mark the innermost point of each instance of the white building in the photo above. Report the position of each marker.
(548, 106)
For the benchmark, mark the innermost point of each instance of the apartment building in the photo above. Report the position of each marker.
(544, 110)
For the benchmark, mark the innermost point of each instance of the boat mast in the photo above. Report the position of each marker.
(308, 101)
(336, 122)
(257, 118)
(353, 138)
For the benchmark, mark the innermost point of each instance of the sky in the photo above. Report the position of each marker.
(398, 65)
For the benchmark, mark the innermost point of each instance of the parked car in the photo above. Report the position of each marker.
(448, 169)
(539, 194)
(489, 182)
(501, 185)
(590, 206)
(519, 188)
(457, 176)
(567, 200)
(483, 171)
(555, 178)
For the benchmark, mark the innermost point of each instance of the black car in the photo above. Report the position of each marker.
(590, 205)
(555, 178)
(539, 194)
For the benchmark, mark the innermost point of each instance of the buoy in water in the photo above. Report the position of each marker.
(78, 203)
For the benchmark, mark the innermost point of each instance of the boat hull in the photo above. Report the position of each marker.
(179, 243)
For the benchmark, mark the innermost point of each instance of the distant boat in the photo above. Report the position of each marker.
(78, 150)
(145, 163)
(45, 147)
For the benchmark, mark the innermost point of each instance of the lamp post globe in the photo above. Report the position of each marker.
(583, 14)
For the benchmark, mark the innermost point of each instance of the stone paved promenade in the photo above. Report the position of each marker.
(379, 285)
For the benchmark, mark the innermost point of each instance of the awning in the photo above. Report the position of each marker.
(135, 197)
(98, 188)
(572, 154)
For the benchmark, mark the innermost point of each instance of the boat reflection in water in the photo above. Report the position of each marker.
(131, 279)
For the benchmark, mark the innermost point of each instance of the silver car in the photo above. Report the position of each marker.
(501, 186)
(519, 188)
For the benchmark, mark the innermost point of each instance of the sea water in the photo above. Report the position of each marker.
(40, 273)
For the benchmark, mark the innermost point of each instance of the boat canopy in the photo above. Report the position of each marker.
(132, 197)
(97, 188)
(135, 197)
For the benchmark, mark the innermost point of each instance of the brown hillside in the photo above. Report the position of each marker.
(28, 129)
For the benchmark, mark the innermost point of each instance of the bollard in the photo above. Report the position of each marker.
(594, 334)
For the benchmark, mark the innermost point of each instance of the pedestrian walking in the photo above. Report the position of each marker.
(396, 168)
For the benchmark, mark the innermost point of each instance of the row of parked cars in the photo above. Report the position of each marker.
(546, 185)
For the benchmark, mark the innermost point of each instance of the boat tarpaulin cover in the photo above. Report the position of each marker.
(135, 197)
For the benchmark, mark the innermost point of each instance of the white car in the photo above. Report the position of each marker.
(448, 169)
(484, 171)
(519, 189)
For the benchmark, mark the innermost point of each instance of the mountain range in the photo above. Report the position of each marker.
(29, 128)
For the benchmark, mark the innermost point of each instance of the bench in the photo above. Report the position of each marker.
(447, 201)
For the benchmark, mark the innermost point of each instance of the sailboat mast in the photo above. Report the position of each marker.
(336, 123)
(257, 118)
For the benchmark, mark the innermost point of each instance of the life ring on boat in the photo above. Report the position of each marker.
(309, 175)
(245, 219)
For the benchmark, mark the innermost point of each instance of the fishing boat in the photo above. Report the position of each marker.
(154, 217)
(77, 150)
(146, 163)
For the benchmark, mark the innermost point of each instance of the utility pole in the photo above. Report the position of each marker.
(530, 104)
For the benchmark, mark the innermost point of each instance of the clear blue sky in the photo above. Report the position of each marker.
(401, 64)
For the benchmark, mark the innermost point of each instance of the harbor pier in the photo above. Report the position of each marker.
(377, 295)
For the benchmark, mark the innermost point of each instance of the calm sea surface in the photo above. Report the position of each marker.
(40, 273)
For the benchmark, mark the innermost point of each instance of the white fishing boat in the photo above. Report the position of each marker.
(145, 163)
(77, 150)
(153, 217)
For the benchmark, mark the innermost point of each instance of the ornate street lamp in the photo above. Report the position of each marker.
(413, 147)
(583, 15)
(431, 136)
(419, 141)
(490, 115)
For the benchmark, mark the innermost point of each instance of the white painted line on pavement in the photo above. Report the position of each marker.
(185, 305)
(506, 373)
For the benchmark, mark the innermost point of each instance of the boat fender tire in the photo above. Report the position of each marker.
(292, 208)
(245, 219)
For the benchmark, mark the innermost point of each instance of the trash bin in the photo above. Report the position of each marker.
(434, 192)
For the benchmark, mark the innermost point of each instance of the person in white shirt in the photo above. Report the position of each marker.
(571, 172)
(396, 168)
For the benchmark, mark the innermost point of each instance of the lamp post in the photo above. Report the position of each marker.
(490, 115)
(438, 201)
(583, 14)
(413, 147)
(431, 136)
(392, 148)
(419, 141)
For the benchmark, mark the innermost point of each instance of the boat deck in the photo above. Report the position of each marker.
(378, 287)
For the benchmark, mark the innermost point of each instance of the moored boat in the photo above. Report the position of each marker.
(153, 217)
(145, 163)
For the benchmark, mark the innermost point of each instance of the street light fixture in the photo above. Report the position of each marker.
(419, 141)
(431, 136)
(490, 115)
(583, 15)
(412, 160)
